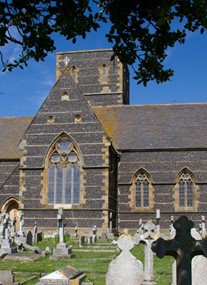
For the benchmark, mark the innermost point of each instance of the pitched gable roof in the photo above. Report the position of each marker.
(11, 131)
(155, 126)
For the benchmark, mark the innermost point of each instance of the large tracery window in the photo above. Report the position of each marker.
(64, 174)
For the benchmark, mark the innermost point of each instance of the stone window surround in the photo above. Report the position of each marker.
(44, 191)
(195, 193)
(132, 191)
(74, 72)
(101, 70)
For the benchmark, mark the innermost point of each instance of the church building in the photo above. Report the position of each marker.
(102, 160)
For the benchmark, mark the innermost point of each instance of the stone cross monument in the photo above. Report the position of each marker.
(148, 237)
(62, 250)
(183, 247)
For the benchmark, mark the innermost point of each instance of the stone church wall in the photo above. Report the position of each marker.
(163, 168)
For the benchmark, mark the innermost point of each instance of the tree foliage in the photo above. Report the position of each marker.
(140, 31)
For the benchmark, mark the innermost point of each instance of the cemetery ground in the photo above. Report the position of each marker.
(92, 259)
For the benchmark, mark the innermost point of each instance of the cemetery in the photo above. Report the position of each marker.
(97, 191)
(145, 257)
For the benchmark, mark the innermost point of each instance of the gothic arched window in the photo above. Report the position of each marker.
(185, 191)
(103, 73)
(142, 191)
(63, 173)
(74, 73)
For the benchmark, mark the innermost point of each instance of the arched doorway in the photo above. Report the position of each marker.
(11, 206)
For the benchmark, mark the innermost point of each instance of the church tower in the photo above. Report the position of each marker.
(101, 80)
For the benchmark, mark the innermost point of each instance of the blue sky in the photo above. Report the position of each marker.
(23, 91)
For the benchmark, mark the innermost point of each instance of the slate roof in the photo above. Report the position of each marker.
(155, 126)
(135, 127)
(11, 131)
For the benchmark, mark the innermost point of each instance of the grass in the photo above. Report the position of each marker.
(94, 264)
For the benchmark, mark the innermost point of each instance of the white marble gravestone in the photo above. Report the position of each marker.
(125, 269)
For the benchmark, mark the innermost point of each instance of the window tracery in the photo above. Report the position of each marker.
(142, 191)
(186, 191)
(63, 173)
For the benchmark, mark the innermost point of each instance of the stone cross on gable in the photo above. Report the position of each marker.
(183, 247)
(66, 60)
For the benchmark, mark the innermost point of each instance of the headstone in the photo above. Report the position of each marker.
(94, 236)
(203, 227)
(7, 277)
(199, 265)
(21, 224)
(183, 248)
(172, 230)
(110, 234)
(90, 240)
(39, 236)
(76, 231)
(68, 275)
(29, 238)
(103, 237)
(158, 222)
(35, 233)
(62, 250)
(13, 226)
(140, 227)
(81, 241)
(125, 269)
(2, 226)
(7, 244)
(148, 237)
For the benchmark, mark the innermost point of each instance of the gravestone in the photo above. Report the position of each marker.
(183, 248)
(29, 238)
(7, 277)
(125, 269)
(110, 234)
(90, 240)
(81, 241)
(199, 265)
(21, 224)
(2, 228)
(7, 244)
(76, 231)
(94, 236)
(172, 230)
(158, 222)
(13, 226)
(68, 275)
(203, 227)
(148, 237)
(62, 250)
(35, 233)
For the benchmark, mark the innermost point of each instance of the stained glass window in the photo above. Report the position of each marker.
(142, 191)
(64, 174)
(186, 190)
